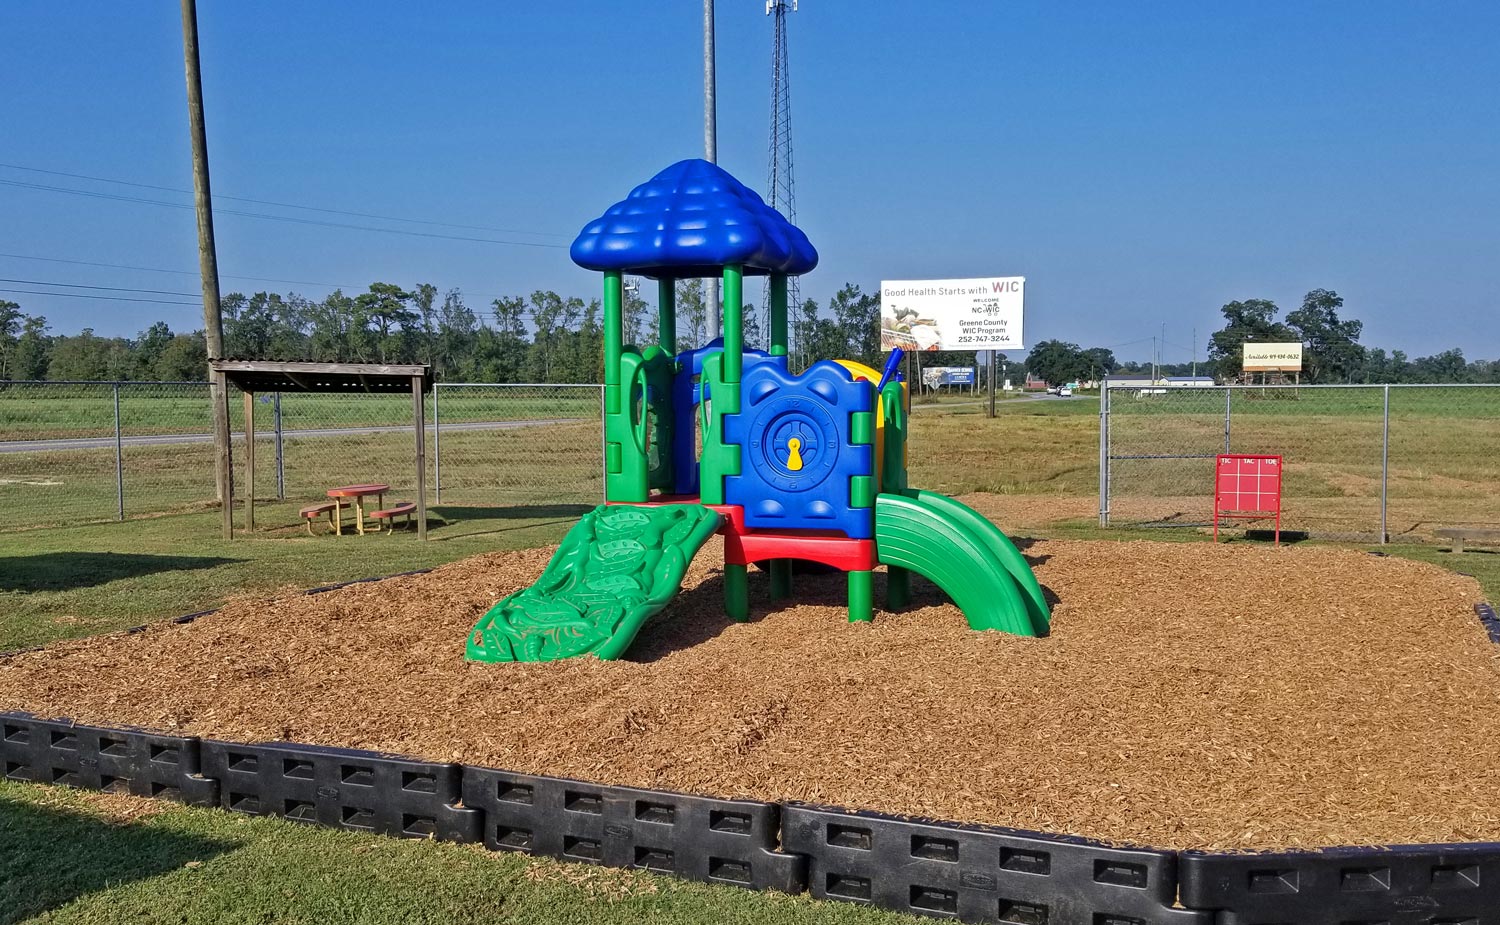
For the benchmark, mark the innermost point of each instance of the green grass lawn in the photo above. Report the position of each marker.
(96, 859)
(46, 410)
(79, 581)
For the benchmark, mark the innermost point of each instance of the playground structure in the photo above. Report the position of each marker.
(808, 466)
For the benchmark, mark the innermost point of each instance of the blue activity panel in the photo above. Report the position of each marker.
(797, 459)
(685, 400)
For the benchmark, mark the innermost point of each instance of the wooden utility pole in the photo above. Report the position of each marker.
(208, 261)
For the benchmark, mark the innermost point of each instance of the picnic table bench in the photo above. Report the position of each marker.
(312, 512)
(1479, 536)
(389, 515)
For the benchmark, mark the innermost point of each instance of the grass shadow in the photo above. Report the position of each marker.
(64, 571)
(493, 519)
(50, 857)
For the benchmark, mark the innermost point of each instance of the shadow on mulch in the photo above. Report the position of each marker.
(50, 857)
(64, 571)
(698, 614)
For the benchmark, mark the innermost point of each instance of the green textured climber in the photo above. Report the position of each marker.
(615, 569)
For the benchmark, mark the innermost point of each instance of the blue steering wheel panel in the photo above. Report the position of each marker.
(793, 433)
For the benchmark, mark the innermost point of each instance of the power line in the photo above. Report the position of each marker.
(39, 282)
(287, 205)
(126, 266)
(259, 279)
(276, 218)
(85, 295)
(525, 315)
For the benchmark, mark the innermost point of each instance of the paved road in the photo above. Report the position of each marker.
(108, 443)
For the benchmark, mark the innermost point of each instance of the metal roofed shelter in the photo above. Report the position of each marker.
(252, 376)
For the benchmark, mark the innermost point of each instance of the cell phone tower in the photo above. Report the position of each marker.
(781, 189)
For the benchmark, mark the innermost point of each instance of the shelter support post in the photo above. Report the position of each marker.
(249, 462)
(222, 465)
(419, 412)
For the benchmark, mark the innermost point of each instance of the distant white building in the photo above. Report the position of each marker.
(1189, 382)
(1168, 382)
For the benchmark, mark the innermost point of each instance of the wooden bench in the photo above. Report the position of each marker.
(389, 515)
(312, 511)
(1479, 536)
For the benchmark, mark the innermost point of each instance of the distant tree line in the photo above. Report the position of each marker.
(549, 338)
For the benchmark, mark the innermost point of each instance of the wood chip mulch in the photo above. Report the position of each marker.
(1191, 696)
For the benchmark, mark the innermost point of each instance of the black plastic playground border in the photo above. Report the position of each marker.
(929, 867)
(923, 866)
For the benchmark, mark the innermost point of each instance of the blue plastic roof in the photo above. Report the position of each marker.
(691, 220)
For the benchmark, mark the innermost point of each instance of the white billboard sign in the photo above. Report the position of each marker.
(1272, 358)
(952, 314)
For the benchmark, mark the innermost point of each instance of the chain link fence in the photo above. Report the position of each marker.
(1362, 463)
(81, 452)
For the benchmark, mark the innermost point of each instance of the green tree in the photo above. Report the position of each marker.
(1253, 320)
(457, 333)
(148, 348)
(183, 359)
(423, 298)
(1331, 346)
(1448, 366)
(11, 320)
(386, 314)
(1098, 362)
(83, 356)
(1057, 362)
(502, 352)
(634, 314)
(33, 350)
(857, 315)
(330, 336)
(692, 314)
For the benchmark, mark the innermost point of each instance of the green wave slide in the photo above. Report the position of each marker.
(617, 567)
(966, 556)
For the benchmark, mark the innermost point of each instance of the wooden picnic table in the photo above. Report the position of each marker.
(357, 493)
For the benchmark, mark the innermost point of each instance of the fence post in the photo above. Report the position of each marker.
(1385, 463)
(119, 461)
(280, 456)
(1228, 395)
(1103, 453)
(437, 445)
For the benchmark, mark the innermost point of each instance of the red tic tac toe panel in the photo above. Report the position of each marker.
(1247, 487)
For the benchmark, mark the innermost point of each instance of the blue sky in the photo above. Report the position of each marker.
(1140, 164)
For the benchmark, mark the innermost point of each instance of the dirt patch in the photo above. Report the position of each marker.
(1191, 696)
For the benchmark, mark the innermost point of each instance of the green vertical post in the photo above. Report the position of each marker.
(778, 315)
(734, 327)
(861, 597)
(897, 587)
(737, 592)
(614, 297)
(781, 579)
(666, 315)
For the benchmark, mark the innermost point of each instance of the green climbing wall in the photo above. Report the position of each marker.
(616, 568)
